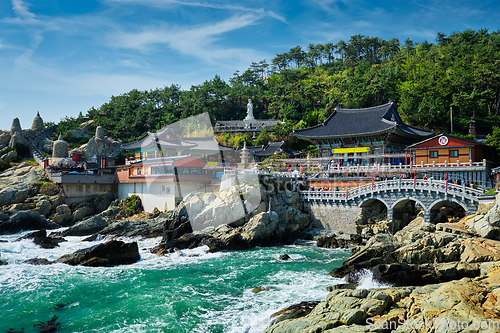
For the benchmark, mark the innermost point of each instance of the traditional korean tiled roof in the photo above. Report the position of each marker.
(358, 122)
(272, 148)
(207, 144)
(163, 138)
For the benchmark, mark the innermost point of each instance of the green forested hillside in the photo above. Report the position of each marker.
(303, 86)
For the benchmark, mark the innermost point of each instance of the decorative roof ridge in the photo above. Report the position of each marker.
(370, 108)
(417, 128)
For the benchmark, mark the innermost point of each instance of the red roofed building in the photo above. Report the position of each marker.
(459, 159)
(162, 182)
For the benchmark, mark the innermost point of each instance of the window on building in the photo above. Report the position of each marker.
(162, 169)
(433, 154)
(139, 171)
(151, 154)
(453, 153)
(195, 171)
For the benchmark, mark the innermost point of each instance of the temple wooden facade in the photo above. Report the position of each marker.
(449, 149)
(364, 136)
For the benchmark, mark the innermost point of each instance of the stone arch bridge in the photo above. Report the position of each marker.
(431, 195)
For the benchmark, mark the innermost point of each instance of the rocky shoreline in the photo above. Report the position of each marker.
(445, 278)
(262, 215)
(445, 272)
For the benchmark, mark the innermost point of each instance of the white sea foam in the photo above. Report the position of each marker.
(236, 309)
(366, 280)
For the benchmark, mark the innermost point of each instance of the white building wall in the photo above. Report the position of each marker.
(157, 194)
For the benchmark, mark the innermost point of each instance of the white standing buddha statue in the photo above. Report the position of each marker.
(249, 111)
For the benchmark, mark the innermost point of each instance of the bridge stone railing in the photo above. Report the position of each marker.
(427, 192)
(395, 185)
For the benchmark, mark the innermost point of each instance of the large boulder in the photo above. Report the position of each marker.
(26, 220)
(86, 227)
(133, 228)
(18, 139)
(11, 155)
(81, 213)
(44, 207)
(4, 139)
(260, 228)
(40, 238)
(17, 183)
(107, 254)
(63, 215)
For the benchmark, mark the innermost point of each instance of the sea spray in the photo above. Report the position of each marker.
(186, 291)
(365, 280)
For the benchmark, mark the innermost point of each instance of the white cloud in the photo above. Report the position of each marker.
(134, 63)
(21, 9)
(197, 41)
(170, 3)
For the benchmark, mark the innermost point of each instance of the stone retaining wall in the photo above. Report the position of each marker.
(333, 217)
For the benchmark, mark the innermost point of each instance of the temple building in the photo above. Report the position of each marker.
(262, 152)
(459, 159)
(162, 182)
(364, 136)
(166, 144)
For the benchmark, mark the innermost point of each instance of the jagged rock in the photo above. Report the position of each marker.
(11, 155)
(86, 227)
(294, 311)
(18, 207)
(176, 223)
(259, 289)
(26, 220)
(220, 222)
(81, 213)
(468, 301)
(107, 254)
(63, 215)
(130, 206)
(284, 257)
(260, 228)
(38, 261)
(4, 216)
(16, 183)
(40, 238)
(4, 139)
(18, 139)
(49, 189)
(333, 242)
(126, 228)
(44, 207)
(378, 250)
(56, 201)
(85, 130)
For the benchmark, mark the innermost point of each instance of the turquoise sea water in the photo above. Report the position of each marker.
(189, 291)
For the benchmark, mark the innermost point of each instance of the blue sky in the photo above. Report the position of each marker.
(60, 57)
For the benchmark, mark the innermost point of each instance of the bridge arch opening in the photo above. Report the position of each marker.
(404, 211)
(373, 210)
(444, 211)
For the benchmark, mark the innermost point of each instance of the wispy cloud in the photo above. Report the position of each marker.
(197, 41)
(169, 3)
(21, 9)
(25, 17)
